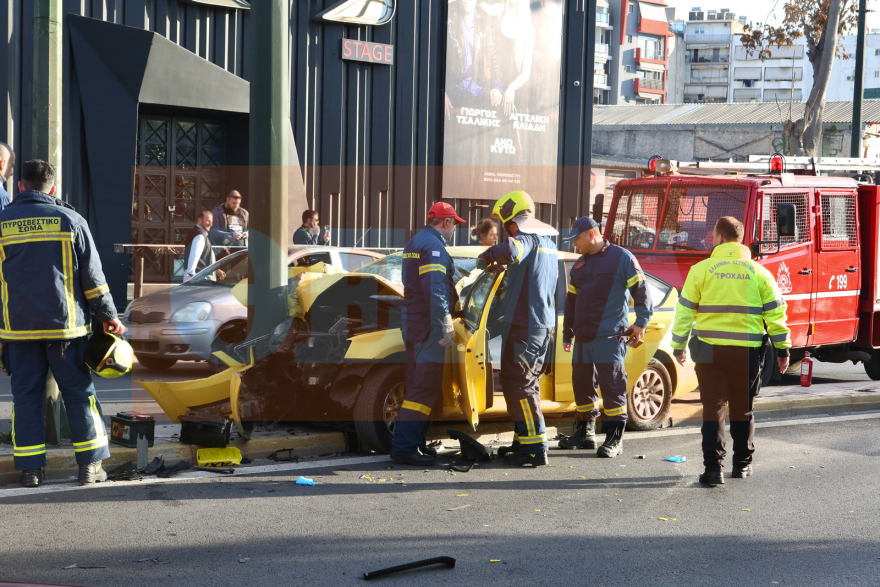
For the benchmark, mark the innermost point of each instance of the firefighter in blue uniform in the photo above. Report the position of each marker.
(430, 298)
(528, 318)
(596, 327)
(52, 283)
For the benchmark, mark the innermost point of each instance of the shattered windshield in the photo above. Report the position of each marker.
(391, 267)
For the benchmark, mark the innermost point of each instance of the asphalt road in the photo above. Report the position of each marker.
(808, 517)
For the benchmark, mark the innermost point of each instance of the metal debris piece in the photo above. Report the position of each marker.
(445, 560)
(283, 456)
(166, 472)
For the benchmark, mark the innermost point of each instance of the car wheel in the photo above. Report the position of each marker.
(770, 369)
(155, 363)
(648, 404)
(375, 410)
(872, 367)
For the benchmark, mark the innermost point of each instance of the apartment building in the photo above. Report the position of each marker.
(718, 69)
(630, 62)
(841, 86)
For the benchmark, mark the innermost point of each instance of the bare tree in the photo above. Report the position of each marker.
(822, 24)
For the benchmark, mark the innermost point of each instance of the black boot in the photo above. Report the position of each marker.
(503, 451)
(92, 473)
(712, 478)
(428, 451)
(584, 436)
(32, 478)
(743, 472)
(613, 444)
(521, 459)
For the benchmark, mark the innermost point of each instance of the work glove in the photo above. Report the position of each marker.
(481, 264)
(448, 331)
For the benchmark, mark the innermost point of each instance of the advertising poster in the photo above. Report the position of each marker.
(501, 113)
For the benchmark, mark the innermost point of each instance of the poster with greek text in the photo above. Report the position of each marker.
(501, 112)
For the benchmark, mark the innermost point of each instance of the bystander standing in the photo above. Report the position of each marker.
(230, 225)
(486, 232)
(309, 232)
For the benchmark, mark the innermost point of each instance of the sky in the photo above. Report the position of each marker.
(759, 10)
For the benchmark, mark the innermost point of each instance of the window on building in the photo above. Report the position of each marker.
(630, 9)
(629, 39)
(877, 74)
(876, 52)
(627, 68)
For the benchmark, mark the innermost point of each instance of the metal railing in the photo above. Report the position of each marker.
(600, 79)
(714, 79)
(603, 17)
(650, 84)
(601, 48)
(704, 59)
(704, 38)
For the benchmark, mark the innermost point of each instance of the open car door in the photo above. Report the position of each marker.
(664, 299)
(470, 352)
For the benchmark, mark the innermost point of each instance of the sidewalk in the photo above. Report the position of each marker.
(774, 403)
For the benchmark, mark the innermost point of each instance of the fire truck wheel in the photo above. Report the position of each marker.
(377, 405)
(770, 371)
(648, 404)
(872, 367)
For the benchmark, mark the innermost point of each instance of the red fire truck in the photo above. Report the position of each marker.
(813, 222)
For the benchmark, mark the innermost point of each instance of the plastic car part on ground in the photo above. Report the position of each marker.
(218, 457)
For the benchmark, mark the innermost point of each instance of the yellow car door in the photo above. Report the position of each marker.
(471, 352)
(661, 321)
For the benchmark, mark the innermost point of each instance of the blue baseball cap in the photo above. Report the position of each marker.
(582, 224)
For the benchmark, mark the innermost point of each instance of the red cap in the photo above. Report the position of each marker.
(444, 210)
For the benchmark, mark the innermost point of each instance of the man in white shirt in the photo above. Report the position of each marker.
(197, 253)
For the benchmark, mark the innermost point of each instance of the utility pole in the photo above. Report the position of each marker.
(269, 150)
(859, 92)
(47, 125)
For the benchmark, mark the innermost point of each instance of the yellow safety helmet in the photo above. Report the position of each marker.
(109, 355)
(511, 204)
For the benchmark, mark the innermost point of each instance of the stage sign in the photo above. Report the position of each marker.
(353, 50)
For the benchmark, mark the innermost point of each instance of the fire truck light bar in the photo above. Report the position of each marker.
(765, 164)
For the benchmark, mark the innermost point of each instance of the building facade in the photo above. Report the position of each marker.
(156, 102)
(841, 86)
(639, 75)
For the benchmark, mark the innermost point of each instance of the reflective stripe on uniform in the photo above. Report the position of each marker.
(774, 304)
(679, 339)
(67, 259)
(723, 335)
(97, 292)
(4, 290)
(540, 438)
(519, 250)
(530, 420)
(416, 407)
(36, 238)
(572, 289)
(63, 333)
(433, 267)
(90, 445)
(615, 411)
(635, 279)
(778, 337)
(687, 303)
(96, 418)
(704, 309)
(587, 407)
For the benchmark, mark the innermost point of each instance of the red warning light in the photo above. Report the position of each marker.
(776, 164)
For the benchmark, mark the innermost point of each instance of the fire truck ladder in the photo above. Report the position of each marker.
(761, 165)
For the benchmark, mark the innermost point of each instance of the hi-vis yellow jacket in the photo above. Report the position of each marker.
(727, 298)
(51, 282)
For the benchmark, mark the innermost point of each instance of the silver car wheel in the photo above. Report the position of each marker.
(648, 395)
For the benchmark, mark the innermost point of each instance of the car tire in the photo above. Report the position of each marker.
(376, 407)
(872, 367)
(155, 363)
(770, 371)
(647, 406)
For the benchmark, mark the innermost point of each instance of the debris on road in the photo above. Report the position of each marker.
(166, 472)
(218, 457)
(283, 456)
(79, 566)
(461, 507)
(124, 472)
(639, 457)
(305, 481)
(242, 559)
(444, 560)
(676, 459)
(223, 471)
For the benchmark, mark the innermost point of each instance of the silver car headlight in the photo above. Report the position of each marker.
(192, 312)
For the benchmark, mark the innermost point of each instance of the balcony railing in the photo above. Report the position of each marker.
(704, 38)
(655, 55)
(603, 17)
(602, 49)
(708, 80)
(650, 84)
(705, 59)
(599, 79)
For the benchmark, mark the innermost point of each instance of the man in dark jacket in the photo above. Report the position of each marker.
(52, 285)
(197, 251)
(430, 296)
(596, 326)
(528, 318)
(308, 233)
(231, 221)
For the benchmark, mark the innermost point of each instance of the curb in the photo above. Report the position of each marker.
(62, 464)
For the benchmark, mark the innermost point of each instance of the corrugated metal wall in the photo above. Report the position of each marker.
(369, 137)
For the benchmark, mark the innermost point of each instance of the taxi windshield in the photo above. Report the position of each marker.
(650, 217)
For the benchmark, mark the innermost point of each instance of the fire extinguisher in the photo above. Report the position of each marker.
(807, 371)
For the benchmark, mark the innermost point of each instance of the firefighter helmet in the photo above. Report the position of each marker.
(109, 355)
(511, 204)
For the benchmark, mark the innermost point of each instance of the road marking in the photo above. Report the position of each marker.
(344, 462)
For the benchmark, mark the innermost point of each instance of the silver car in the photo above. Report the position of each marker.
(178, 324)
